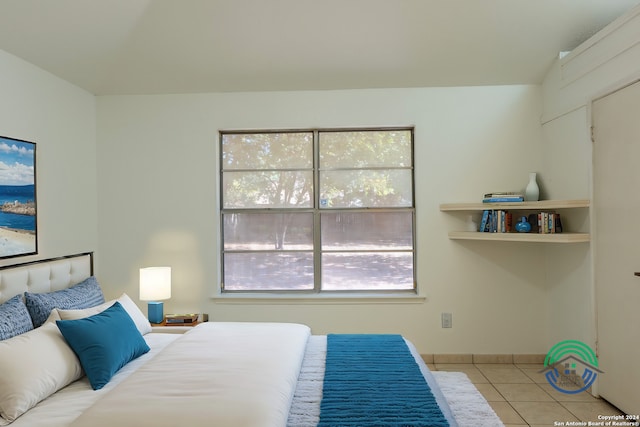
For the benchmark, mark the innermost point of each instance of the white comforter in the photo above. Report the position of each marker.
(210, 376)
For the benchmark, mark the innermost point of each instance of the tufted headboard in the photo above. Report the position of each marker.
(45, 275)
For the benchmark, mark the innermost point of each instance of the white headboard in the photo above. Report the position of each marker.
(45, 275)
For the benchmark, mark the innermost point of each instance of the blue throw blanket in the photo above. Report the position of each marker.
(374, 381)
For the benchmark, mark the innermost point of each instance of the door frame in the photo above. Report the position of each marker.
(603, 93)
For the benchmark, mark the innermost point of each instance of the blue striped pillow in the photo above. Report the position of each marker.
(14, 318)
(83, 295)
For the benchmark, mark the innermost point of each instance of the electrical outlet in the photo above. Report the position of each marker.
(447, 320)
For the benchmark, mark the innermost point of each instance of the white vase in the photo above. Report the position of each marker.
(471, 224)
(532, 192)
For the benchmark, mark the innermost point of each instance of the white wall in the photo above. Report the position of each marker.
(61, 119)
(158, 193)
(605, 62)
(154, 199)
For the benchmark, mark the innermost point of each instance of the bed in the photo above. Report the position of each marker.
(90, 362)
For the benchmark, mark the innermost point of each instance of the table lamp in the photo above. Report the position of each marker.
(155, 285)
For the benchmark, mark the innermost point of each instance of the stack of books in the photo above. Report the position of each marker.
(549, 223)
(181, 319)
(501, 221)
(496, 221)
(503, 197)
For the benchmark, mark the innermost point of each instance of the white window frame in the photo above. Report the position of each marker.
(317, 211)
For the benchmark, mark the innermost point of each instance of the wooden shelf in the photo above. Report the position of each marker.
(543, 205)
(532, 206)
(521, 237)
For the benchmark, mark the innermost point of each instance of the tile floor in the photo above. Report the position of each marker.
(521, 396)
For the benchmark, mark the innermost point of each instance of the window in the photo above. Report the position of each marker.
(317, 210)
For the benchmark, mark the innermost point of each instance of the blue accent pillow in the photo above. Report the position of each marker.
(104, 343)
(83, 295)
(14, 318)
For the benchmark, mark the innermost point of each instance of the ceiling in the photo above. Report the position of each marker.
(191, 46)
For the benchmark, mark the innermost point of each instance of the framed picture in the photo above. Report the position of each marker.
(18, 213)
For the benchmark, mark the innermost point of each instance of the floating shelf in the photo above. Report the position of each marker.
(532, 206)
(521, 237)
(542, 205)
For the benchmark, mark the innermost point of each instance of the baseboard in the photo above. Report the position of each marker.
(485, 358)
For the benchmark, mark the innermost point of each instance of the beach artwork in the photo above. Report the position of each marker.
(18, 219)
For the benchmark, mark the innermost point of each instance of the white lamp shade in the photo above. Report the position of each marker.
(155, 283)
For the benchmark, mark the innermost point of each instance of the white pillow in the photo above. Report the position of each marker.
(142, 323)
(53, 316)
(35, 365)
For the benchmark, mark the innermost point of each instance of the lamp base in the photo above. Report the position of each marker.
(155, 311)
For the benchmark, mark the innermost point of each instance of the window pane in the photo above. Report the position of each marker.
(367, 231)
(282, 271)
(366, 188)
(365, 149)
(261, 151)
(273, 189)
(374, 271)
(268, 231)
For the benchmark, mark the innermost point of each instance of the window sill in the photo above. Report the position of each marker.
(325, 298)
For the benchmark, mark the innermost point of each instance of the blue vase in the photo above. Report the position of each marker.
(523, 226)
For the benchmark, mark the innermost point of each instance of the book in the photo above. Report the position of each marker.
(181, 318)
(503, 199)
(503, 194)
(546, 222)
(483, 222)
(558, 224)
(494, 221)
(540, 229)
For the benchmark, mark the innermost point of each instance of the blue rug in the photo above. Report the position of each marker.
(374, 381)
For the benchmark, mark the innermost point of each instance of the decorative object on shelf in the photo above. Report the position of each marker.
(532, 192)
(472, 225)
(155, 285)
(533, 222)
(523, 226)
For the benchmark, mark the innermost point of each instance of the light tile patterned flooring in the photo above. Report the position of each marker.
(521, 396)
